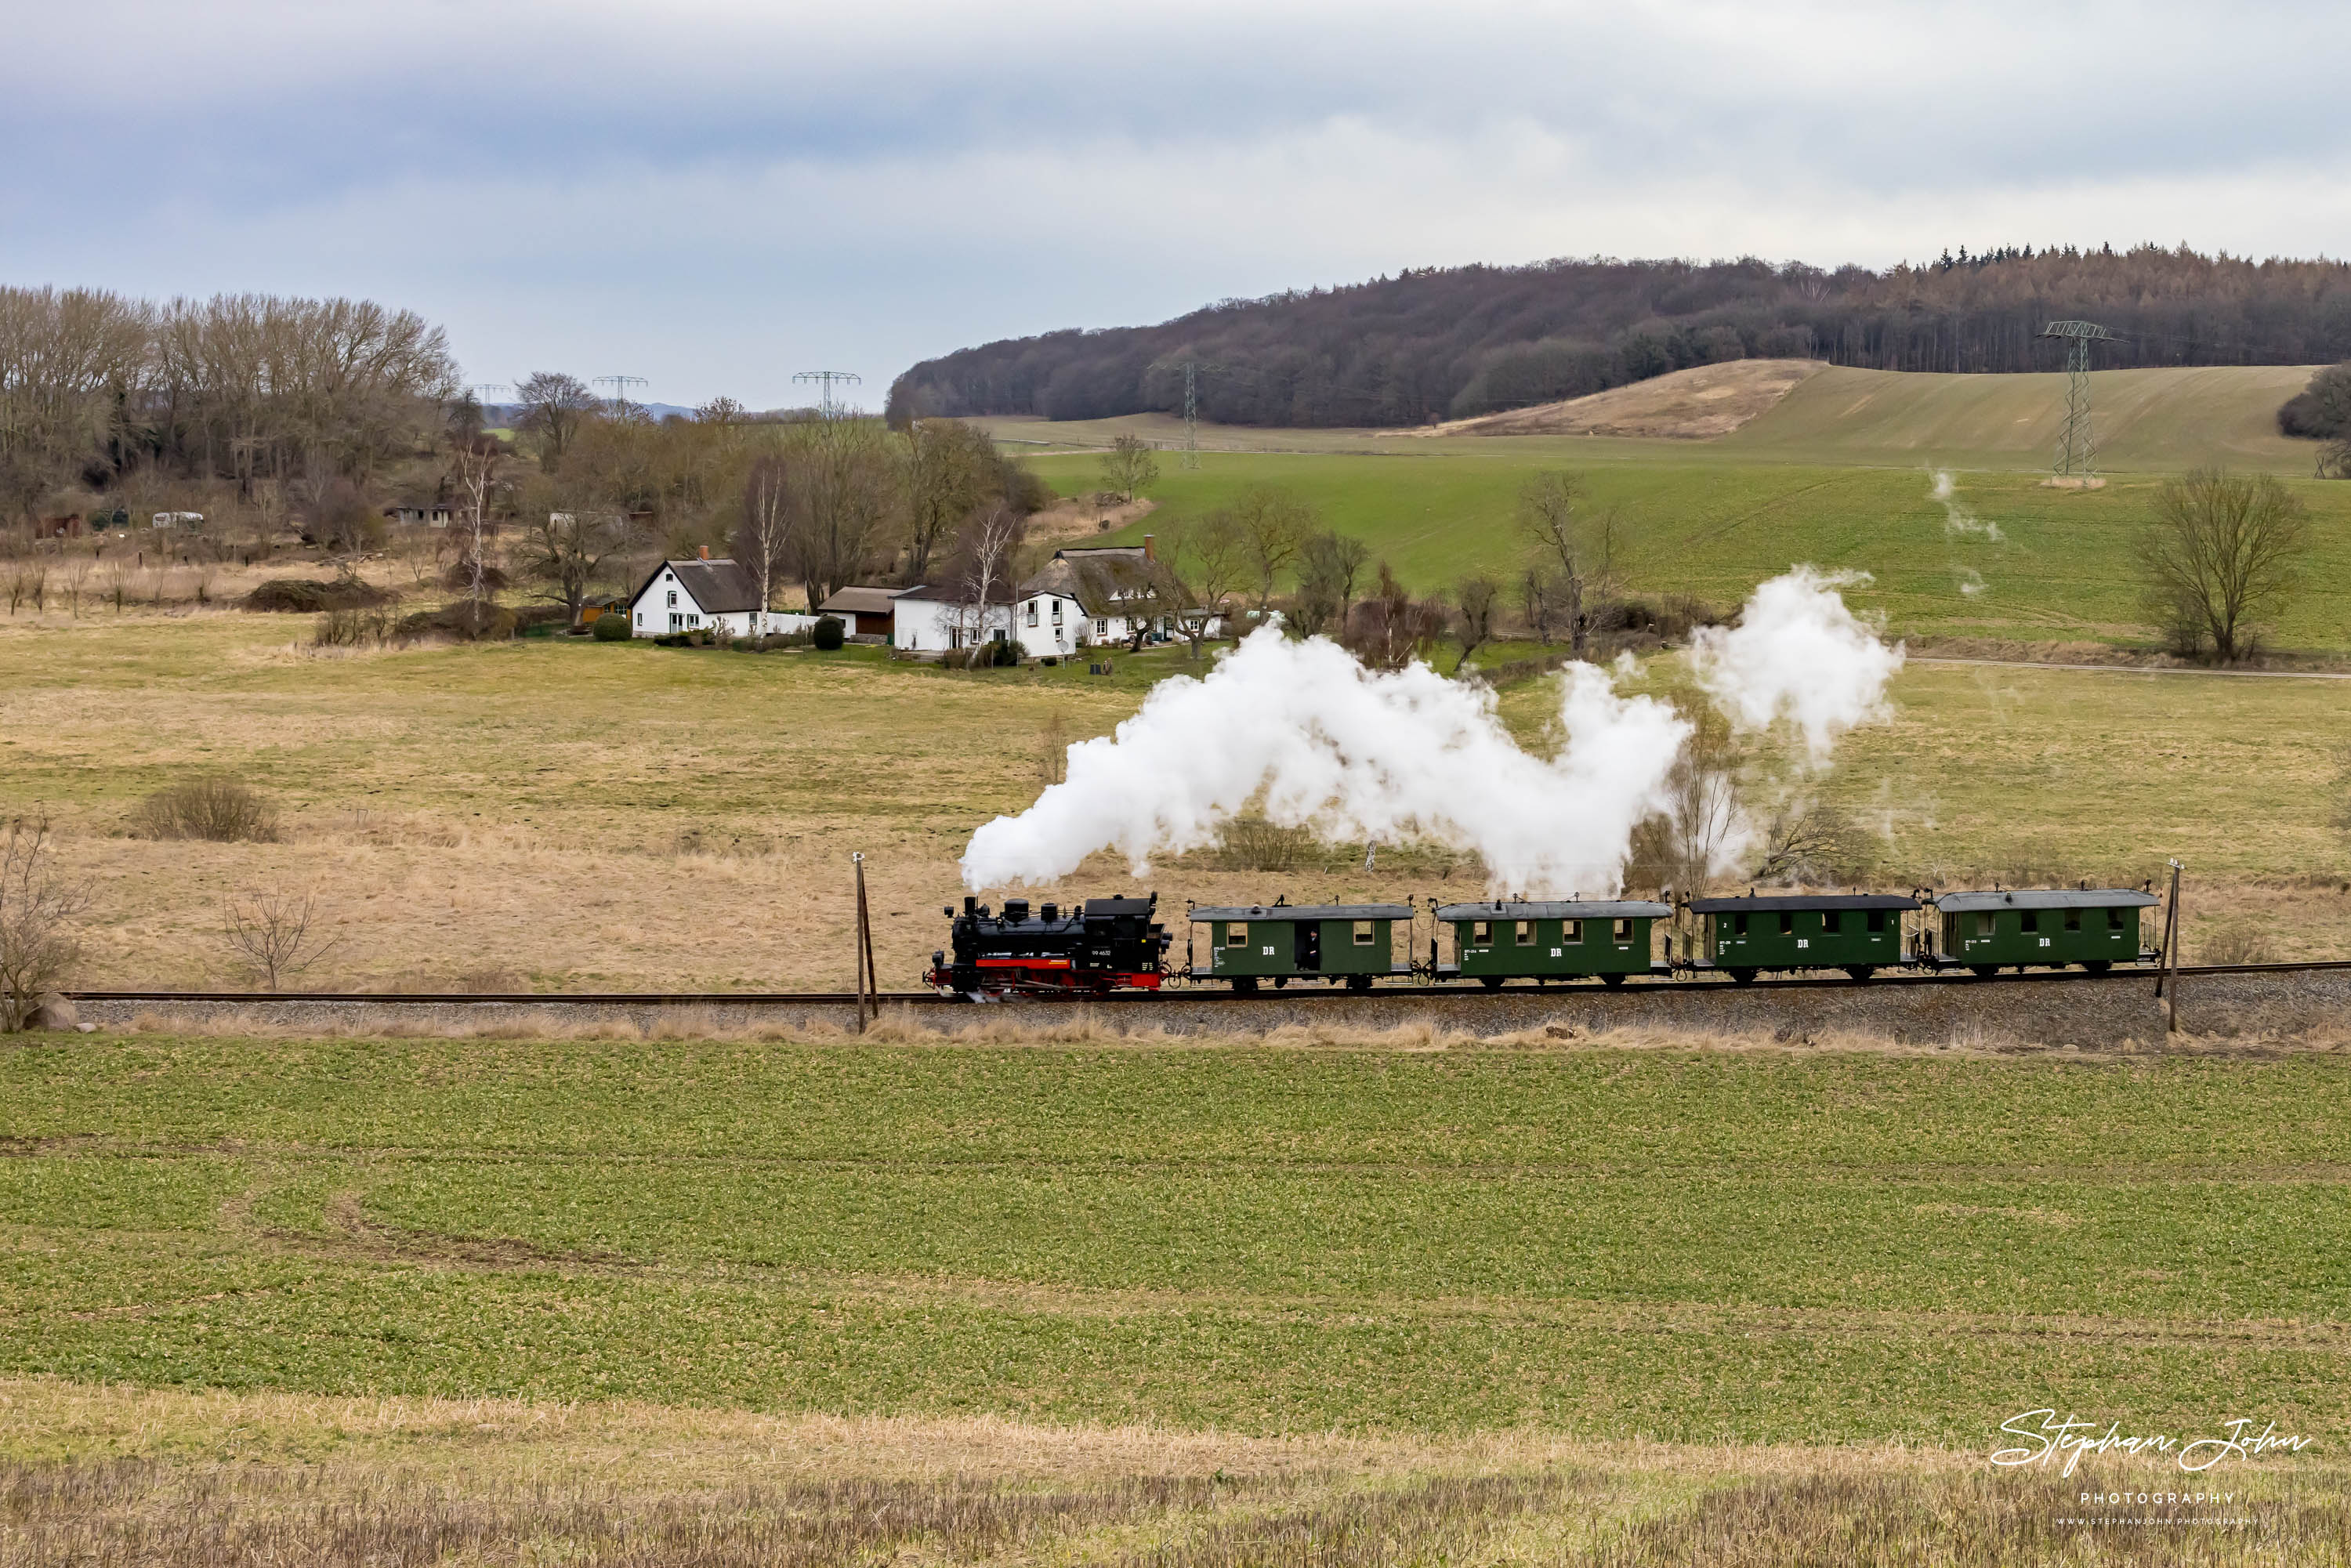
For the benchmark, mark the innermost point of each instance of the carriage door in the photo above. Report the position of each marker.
(1310, 944)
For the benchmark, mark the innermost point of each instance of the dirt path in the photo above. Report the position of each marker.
(2136, 669)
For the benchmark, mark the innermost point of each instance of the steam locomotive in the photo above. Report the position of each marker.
(1102, 944)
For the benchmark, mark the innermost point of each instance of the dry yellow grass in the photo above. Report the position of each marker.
(561, 814)
(1695, 405)
(257, 1477)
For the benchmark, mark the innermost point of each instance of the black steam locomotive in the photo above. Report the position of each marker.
(1102, 944)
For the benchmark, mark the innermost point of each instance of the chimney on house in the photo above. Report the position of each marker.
(706, 552)
(1148, 553)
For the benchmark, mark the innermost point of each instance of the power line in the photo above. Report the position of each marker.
(825, 381)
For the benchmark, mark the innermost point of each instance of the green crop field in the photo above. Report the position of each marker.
(1691, 1248)
(1840, 474)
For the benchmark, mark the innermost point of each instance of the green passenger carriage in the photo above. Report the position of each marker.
(1859, 933)
(1559, 940)
(2096, 927)
(1350, 943)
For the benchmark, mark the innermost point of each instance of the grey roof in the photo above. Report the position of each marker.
(939, 594)
(1308, 912)
(860, 600)
(2045, 898)
(1094, 578)
(1560, 909)
(1804, 901)
(718, 587)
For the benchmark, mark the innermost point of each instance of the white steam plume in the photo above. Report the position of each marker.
(1958, 520)
(1353, 754)
(1798, 653)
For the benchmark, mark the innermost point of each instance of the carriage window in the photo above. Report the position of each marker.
(2073, 920)
(1525, 934)
(1363, 932)
(1738, 924)
(1787, 923)
(1236, 935)
(1987, 922)
(1624, 934)
(1481, 935)
(1571, 930)
(1876, 920)
(2114, 920)
(2028, 920)
(1833, 920)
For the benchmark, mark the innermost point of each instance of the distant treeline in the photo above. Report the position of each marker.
(1453, 342)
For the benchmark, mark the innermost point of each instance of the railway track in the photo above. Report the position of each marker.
(1194, 995)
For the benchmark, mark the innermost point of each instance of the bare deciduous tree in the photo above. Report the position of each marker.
(269, 933)
(1202, 566)
(567, 550)
(1478, 602)
(477, 461)
(1389, 628)
(1329, 566)
(553, 406)
(1274, 527)
(1575, 543)
(762, 537)
(983, 568)
(2223, 553)
(1702, 825)
(38, 907)
(1807, 842)
(848, 491)
(952, 470)
(1130, 466)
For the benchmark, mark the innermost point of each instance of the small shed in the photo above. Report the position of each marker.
(864, 609)
(2093, 926)
(1354, 943)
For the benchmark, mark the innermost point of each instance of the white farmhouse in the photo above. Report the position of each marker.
(1094, 596)
(704, 595)
(928, 620)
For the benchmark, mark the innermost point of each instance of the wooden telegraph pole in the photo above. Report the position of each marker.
(2167, 972)
(869, 990)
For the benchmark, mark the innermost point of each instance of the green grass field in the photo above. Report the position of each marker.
(1696, 1248)
(1838, 474)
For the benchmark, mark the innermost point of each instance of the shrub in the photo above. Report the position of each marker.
(612, 626)
(308, 596)
(829, 633)
(1007, 655)
(494, 622)
(744, 644)
(1049, 661)
(354, 629)
(775, 639)
(217, 808)
(1252, 843)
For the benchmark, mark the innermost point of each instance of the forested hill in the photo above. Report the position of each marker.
(1445, 343)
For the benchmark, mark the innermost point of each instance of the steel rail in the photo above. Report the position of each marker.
(1304, 989)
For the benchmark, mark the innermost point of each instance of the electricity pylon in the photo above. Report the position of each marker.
(2076, 446)
(621, 385)
(824, 380)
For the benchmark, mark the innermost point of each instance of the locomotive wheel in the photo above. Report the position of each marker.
(1491, 982)
(1244, 984)
(1742, 977)
(1612, 979)
(1359, 982)
(1279, 981)
(1861, 971)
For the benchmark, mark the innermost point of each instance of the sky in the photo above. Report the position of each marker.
(715, 194)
